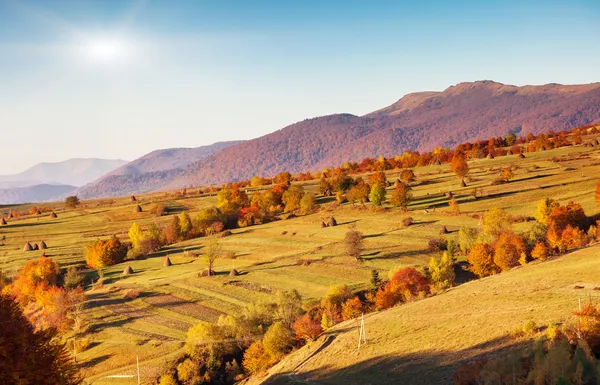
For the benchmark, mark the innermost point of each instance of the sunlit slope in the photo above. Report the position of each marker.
(423, 342)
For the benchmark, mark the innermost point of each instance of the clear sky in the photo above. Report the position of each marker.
(118, 79)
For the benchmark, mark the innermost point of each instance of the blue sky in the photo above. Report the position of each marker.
(117, 79)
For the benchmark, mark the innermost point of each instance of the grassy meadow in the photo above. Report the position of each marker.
(297, 253)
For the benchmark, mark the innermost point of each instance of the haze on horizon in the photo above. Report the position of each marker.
(118, 79)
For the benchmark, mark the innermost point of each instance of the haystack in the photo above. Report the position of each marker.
(167, 262)
(133, 198)
(323, 224)
(53, 215)
(595, 142)
(38, 212)
(521, 156)
(138, 209)
(449, 194)
(2, 221)
(234, 273)
(509, 152)
(436, 162)
(43, 245)
(128, 270)
(206, 273)
(462, 183)
(27, 247)
(490, 156)
(443, 230)
(11, 215)
(332, 222)
(35, 246)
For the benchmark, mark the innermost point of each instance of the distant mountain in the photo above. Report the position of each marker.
(419, 121)
(150, 172)
(37, 193)
(72, 172)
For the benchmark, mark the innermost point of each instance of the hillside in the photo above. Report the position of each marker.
(299, 254)
(73, 172)
(37, 193)
(423, 342)
(421, 121)
(149, 172)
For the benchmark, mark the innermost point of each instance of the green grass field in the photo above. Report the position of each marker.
(436, 332)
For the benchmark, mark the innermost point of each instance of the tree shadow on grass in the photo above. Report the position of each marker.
(95, 361)
(430, 367)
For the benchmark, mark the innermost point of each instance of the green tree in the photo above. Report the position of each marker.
(510, 139)
(72, 202)
(375, 280)
(278, 340)
(377, 195)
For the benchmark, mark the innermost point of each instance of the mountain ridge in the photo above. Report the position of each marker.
(418, 121)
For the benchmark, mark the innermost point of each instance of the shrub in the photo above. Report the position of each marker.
(73, 278)
(131, 294)
(540, 251)
(437, 245)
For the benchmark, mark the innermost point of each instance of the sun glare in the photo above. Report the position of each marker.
(105, 49)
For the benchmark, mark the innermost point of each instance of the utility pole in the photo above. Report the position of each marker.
(362, 335)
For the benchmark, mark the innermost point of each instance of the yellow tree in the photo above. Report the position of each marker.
(136, 236)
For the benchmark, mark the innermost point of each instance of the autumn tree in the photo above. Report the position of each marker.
(172, 231)
(407, 176)
(283, 177)
(359, 193)
(307, 328)
(481, 259)
(544, 209)
(105, 252)
(377, 194)
(185, 226)
(406, 284)
(453, 206)
(508, 249)
(212, 253)
(459, 165)
(442, 271)
(377, 178)
(401, 195)
(135, 235)
(291, 198)
(540, 251)
(29, 356)
(353, 243)
(308, 203)
(278, 340)
(495, 221)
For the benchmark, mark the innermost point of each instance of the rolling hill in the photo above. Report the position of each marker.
(150, 172)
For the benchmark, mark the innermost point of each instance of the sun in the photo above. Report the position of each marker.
(105, 49)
